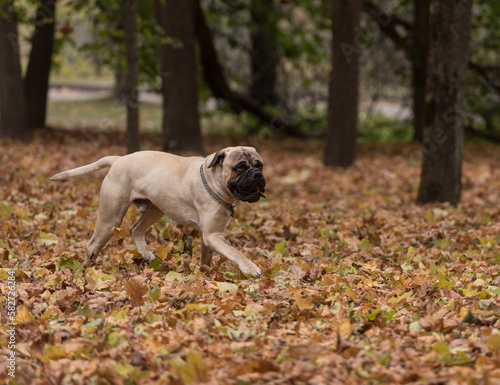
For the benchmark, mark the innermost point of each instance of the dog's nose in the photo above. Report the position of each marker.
(257, 175)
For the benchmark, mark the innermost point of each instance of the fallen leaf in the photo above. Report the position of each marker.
(136, 288)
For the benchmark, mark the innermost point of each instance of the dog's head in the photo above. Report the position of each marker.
(241, 172)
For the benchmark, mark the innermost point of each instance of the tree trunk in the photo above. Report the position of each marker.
(13, 121)
(131, 76)
(344, 79)
(120, 86)
(264, 54)
(36, 81)
(181, 121)
(444, 131)
(419, 54)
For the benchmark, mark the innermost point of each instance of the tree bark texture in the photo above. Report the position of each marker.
(131, 76)
(13, 121)
(264, 54)
(344, 80)
(120, 86)
(444, 131)
(36, 81)
(419, 60)
(181, 121)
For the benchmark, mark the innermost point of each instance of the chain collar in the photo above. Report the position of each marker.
(218, 199)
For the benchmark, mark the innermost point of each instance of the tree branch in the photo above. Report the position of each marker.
(388, 24)
(483, 71)
(216, 80)
(482, 134)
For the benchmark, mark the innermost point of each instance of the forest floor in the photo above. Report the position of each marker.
(360, 284)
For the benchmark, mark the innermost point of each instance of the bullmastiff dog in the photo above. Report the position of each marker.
(193, 191)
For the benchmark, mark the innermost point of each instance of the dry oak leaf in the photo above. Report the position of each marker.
(65, 298)
(303, 303)
(309, 351)
(136, 288)
(254, 365)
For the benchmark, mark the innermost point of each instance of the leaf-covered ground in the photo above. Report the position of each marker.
(360, 285)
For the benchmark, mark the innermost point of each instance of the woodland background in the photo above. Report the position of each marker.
(378, 125)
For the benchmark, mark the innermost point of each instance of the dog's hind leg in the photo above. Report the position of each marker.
(113, 206)
(150, 214)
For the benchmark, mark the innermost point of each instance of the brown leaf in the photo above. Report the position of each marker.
(66, 298)
(304, 302)
(136, 288)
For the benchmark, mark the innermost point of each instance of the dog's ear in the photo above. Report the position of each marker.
(217, 159)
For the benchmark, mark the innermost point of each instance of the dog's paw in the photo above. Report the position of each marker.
(251, 269)
(148, 256)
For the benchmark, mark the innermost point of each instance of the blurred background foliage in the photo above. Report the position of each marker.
(89, 55)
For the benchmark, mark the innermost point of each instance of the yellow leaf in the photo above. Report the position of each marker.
(163, 252)
(344, 327)
(154, 344)
(441, 348)
(400, 298)
(469, 291)
(125, 369)
(97, 279)
(193, 370)
(329, 279)
(203, 307)
(118, 232)
(303, 303)
(173, 275)
(463, 312)
(351, 294)
(122, 314)
(23, 315)
(370, 266)
(4, 274)
(493, 342)
(443, 283)
(54, 351)
(48, 239)
(226, 286)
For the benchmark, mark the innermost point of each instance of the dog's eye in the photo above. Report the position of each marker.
(240, 167)
(259, 165)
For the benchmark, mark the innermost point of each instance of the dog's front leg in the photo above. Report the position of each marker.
(206, 254)
(219, 244)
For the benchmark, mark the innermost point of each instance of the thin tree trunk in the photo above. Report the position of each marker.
(181, 120)
(264, 53)
(13, 121)
(344, 80)
(132, 74)
(36, 81)
(444, 132)
(420, 52)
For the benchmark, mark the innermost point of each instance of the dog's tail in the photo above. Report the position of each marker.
(107, 161)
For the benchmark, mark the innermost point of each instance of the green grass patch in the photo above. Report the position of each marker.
(106, 114)
(380, 128)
